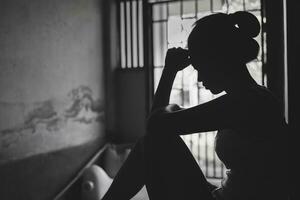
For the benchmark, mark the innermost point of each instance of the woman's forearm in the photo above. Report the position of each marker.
(162, 94)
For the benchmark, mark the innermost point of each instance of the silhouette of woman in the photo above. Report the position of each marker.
(248, 118)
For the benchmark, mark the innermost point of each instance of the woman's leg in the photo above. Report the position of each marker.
(172, 172)
(131, 176)
(166, 166)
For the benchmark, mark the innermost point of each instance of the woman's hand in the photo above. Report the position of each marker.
(171, 108)
(177, 59)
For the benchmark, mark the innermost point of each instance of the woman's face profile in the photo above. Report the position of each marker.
(209, 74)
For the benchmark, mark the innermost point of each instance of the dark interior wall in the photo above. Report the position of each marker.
(51, 74)
(293, 46)
(131, 105)
(125, 88)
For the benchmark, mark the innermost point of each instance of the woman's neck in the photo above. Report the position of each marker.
(240, 82)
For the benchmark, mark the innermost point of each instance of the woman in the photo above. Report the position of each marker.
(250, 139)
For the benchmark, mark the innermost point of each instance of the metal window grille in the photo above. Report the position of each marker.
(131, 33)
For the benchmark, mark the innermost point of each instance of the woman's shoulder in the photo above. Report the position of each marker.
(257, 96)
(257, 103)
(268, 100)
(255, 99)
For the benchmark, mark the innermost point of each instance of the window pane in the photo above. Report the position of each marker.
(178, 82)
(252, 4)
(159, 12)
(258, 38)
(174, 9)
(203, 5)
(204, 95)
(159, 43)
(174, 30)
(217, 5)
(190, 86)
(235, 5)
(189, 8)
(157, 75)
(255, 69)
(186, 25)
(176, 97)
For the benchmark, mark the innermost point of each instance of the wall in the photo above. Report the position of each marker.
(50, 76)
(131, 104)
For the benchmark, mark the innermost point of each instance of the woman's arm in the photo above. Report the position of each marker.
(162, 94)
(222, 113)
(176, 60)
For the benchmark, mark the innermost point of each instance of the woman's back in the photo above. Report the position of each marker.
(254, 152)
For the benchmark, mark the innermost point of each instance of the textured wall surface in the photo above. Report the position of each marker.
(51, 72)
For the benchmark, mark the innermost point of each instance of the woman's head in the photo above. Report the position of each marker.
(220, 42)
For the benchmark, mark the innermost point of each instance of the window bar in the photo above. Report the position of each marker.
(253, 10)
(222, 170)
(211, 6)
(160, 20)
(147, 47)
(166, 1)
(206, 155)
(140, 31)
(244, 5)
(189, 17)
(121, 26)
(198, 158)
(196, 9)
(131, 33)
(263, 67)
(182, 71)
(167, 30)
(181, 9)
(227, 6)
(191, 142)
(182, 88)
(214, 162)
(125, 37)
(137, 33)
(198, 101)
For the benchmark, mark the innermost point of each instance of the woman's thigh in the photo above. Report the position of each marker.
(171, 170)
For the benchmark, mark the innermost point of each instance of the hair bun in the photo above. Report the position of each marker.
(247, 23)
